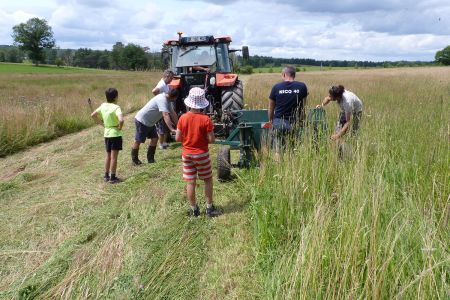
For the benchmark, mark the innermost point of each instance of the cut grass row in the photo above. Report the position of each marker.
(69, 235)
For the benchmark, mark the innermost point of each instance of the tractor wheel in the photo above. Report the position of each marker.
(233, 97)
(224, 164)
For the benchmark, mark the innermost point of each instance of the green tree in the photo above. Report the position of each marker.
(443, 56)
(2, 56)
(104, 61)
(34, 36)
(116, 55)
(50, 56)
(67, 57)
(133, 57)
(13, 55)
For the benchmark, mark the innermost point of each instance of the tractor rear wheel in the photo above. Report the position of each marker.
(233, 97)
(224, 164)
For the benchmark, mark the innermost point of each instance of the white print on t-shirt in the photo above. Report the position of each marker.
(289, 91)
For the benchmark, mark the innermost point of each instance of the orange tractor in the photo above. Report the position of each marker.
(205, 62)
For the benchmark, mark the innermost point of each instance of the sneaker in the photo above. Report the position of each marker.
(151, 161)
(115, 180)
(106, 178)
(163, 146)
(194, 212)
(213, 212)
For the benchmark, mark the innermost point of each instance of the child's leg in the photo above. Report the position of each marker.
(136, 145)
(107, 162)
(190, 189)
(209, 190)
(153, 142)
(114, 155)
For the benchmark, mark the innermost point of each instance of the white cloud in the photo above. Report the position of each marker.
(8, 21)
(319, 29)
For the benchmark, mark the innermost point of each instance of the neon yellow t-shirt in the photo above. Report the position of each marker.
(109, 113)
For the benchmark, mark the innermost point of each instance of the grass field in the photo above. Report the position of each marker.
(41, 103)
(312, 226)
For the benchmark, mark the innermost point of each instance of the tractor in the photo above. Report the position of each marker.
(205, 62)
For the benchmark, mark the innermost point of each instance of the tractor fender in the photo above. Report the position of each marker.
(227, 79)
(175, 83)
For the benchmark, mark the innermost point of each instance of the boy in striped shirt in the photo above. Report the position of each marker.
(195, 130)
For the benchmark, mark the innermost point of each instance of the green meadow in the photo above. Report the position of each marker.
(373, 224)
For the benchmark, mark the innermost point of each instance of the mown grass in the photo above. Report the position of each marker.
(374, 225)
(69, 235)
(39, 107)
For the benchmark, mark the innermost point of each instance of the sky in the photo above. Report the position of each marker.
(374, 30)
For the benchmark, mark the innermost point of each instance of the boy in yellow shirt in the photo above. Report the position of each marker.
(110, 116)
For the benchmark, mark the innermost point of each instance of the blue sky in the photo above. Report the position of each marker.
(319, 29)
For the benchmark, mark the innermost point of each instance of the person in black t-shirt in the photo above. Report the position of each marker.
(287, 102)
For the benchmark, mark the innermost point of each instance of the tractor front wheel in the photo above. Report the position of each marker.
(224, 164)
(233, 97)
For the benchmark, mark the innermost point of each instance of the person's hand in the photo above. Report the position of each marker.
(334, 137)
(319, 106)
(174, 131)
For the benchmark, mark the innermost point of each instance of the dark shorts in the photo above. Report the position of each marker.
(161, 127)
(113, 143)
(144, 132)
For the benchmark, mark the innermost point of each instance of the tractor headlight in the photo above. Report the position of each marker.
(212, 81)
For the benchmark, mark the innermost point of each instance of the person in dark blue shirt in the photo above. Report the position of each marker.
(287, 102)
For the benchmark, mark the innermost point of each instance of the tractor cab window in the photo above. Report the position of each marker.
(196, 55)
(223, 62)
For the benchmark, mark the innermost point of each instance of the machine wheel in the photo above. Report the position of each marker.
(224, 164)
(233, 97)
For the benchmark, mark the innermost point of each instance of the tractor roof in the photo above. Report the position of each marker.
(198, 40)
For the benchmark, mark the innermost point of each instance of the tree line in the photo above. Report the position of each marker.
(34, 40)
(122, 57)
(257, 61)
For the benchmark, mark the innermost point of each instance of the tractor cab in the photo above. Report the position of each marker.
(204, 61)
(187, 53)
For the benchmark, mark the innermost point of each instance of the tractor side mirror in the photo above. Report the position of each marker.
(245, 53)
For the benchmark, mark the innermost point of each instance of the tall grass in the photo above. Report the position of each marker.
(38, 107)
(374, 225)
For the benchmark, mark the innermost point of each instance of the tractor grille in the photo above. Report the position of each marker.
(192, 80)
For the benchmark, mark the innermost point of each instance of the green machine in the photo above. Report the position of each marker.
(246, 129)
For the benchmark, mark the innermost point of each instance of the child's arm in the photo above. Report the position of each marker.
(121, 121)
(211, 137)
(178, 136)
(210, 132)
(97, 120)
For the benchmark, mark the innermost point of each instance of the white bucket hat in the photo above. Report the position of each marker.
(196, 99)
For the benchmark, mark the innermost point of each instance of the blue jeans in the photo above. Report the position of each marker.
(282, 131)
